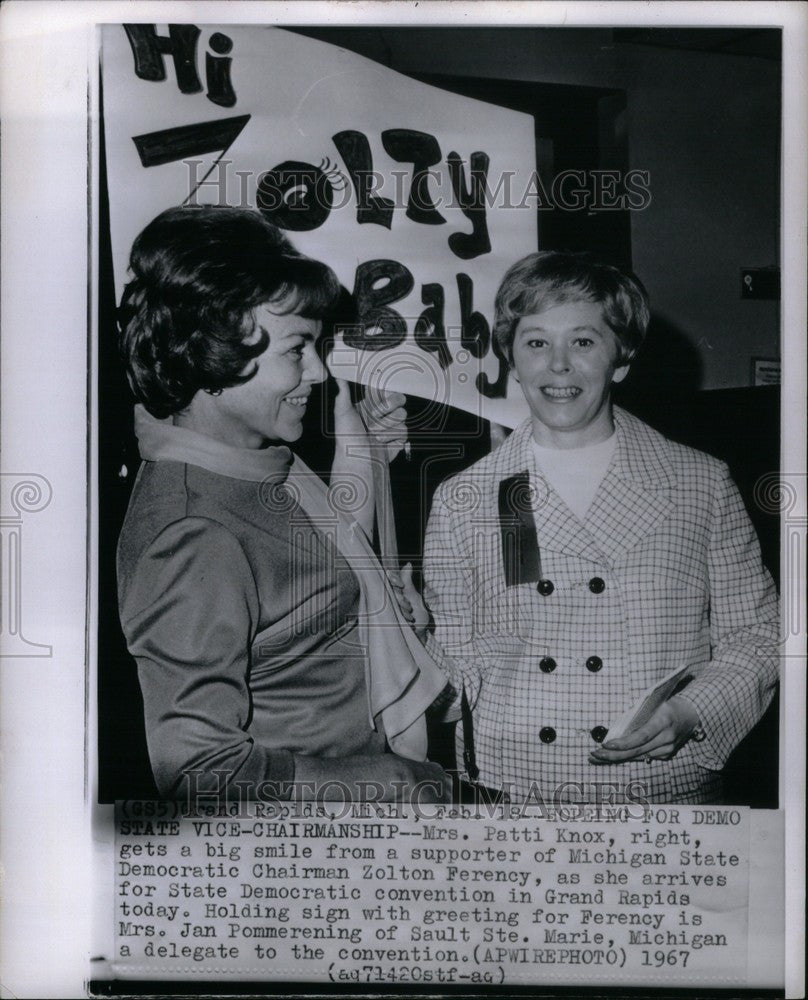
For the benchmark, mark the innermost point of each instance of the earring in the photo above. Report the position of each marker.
(213, 392)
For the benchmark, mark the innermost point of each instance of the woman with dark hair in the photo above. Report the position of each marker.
(271, 653)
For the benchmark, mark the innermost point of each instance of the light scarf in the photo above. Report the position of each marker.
(402, 679)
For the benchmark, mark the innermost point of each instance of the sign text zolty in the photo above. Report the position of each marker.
(415, 196)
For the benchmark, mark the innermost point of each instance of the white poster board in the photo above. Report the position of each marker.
(419, 199)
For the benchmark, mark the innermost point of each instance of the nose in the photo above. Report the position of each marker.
(559, 358)
(313, 368)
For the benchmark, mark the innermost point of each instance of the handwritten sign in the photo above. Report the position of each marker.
(416, 197)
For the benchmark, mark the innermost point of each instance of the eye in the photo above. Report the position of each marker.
(584, 341)
(536, 342)
(297, 350)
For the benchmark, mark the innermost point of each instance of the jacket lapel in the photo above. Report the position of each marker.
(525, 498)
(635, 495)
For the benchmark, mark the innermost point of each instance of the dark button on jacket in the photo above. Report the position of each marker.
(545, 587)
(596, 585)
(547, 664)
(547, 734)
(598, 734)
(594, 664)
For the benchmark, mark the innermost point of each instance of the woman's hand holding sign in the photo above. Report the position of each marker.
(385, 417)
(381, 416)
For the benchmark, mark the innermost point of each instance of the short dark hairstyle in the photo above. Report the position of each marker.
(186, 316)
(542, 280)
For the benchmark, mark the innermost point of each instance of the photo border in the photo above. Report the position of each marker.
(48, 822)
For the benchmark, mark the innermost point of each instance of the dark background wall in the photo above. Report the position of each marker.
(702, 115)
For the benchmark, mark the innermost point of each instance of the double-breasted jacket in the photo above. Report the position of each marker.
(554, 626)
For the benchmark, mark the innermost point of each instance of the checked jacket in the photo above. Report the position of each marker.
(554, 626)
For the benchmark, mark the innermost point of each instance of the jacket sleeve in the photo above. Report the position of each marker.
(456, 646)
(737, 685)
(189, 611)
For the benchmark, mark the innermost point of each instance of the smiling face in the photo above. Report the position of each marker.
(271, 405)
(565, 359)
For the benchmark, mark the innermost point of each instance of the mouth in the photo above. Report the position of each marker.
(299, 402)
(561, 392)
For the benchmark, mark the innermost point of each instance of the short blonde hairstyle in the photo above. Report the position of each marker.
(543, 280)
